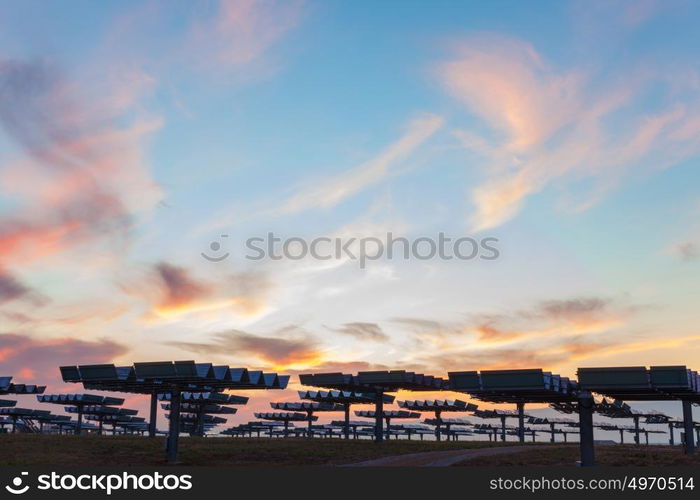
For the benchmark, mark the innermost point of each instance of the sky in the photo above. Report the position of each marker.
(137, 136)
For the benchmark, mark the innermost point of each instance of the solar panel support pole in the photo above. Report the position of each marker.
(174, 427)
(670, 434)
(646, 436)
(688, 427)
(585, 415)
(388, 427)
(551, 427)
(622, 436)
(199, 431)
(521, 421)
(79, 426)
(99, 429)
(379, 416)
(346, 408)
(438, 424)
(153, 416)
(309, 414)
(503, 428)
(636, 429)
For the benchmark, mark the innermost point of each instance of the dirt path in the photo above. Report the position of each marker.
(440, 458)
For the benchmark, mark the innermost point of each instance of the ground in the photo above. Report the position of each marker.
(35, 449)
(29, 449)
(614, 455)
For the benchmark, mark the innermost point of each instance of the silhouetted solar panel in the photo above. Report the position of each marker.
(306, 406)
(637, 383)
(437, 407)
(79, 402)
(514, 386)
(376, 382)
(206, 409)
(285, 416)
(343, 397)
(174, 378)
(208, 398)
(388, 414)
(7, 387)
(203, 403)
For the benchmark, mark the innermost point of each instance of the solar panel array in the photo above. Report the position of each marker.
(514, 386)
(307, 406)
(162, 376)
(343, 397)
(7, 387)
(385, 381)
(638, 383)
(437, 405)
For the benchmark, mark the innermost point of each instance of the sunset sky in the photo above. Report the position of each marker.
(135, 134)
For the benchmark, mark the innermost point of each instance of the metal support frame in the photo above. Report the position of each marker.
(521, 422)
(636, 429)
(174, 427)
(153, 415)
(585, 415)
(346, 429)
(503, 428)
(199, 423)
(688, 427)
(309, 414)
(79, 426)
(670, 434)
(438, 425)
(379, 417)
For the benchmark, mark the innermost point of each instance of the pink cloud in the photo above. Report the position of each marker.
(554, 125)
(78, 175)
(236, 33)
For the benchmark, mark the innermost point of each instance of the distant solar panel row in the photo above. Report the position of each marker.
(207, 408)
(307, 406)
(7, 387)
(437, 405)
(388, 414)
(285, 416)
(343, 397)
(79, 399)
(206, 398)
(389, 381)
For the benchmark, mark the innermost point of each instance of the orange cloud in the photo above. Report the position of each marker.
(287, 348)
(172, 291)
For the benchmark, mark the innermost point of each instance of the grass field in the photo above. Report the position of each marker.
(34, 449)
(614, 455)
(31, 449)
